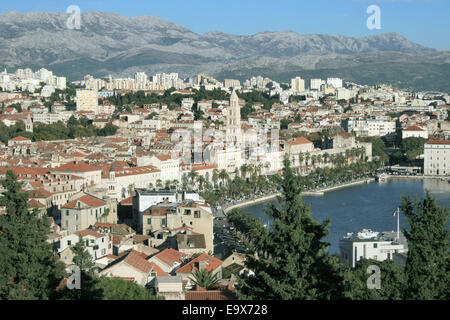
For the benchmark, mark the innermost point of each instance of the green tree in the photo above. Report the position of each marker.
(392, 285)
(412, 147)
(293, 263)
(119, 289)
(428, 260)
(28, 268)
(82, 258)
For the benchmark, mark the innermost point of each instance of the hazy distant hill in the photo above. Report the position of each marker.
(109, 43)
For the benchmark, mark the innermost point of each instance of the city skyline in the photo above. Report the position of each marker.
(336, 18)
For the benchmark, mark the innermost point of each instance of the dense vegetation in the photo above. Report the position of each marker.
(57, 130)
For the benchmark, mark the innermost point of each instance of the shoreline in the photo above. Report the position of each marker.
(305, 193)
(389, 176)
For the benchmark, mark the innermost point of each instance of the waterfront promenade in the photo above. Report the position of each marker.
(316, 192)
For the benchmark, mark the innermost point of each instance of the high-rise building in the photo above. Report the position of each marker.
(87, 100)
(61, 83)
(315, 84)
(298, 85)
(231, 83)
(335, 82)
(141, 79)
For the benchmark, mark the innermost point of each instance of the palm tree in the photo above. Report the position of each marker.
(326, 157)
(201, 181)
(204, 279)
(192, 175)
(319, 158)
(313, 160)
(158, 183)
(223, 175)
(215, 176)
(244, 170)
(175, 183)
(307, 157)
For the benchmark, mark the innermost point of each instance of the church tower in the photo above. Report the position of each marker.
(234, 120)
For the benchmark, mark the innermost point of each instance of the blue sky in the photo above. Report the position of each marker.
(423, 21)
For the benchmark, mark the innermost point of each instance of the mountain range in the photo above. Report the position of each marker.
(109, 43)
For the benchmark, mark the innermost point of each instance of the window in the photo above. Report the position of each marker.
(375, 245)
(149, 221)
(69, 242)
(163, 222)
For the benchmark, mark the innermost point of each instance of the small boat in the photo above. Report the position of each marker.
(382, 177)
(367, 234)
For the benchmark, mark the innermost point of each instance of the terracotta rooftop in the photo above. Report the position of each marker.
(297, 141)
(137, 260)
(212, 263)
(89, 232)
(438, 142)
(170, 256)
(76, 166)
(88, 200)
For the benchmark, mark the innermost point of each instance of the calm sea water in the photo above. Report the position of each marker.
(368, 206)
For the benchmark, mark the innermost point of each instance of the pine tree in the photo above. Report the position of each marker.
(82, 258)
(89, 282)
(428, 260)
(392, 277)
(294, 263)
(28, 268)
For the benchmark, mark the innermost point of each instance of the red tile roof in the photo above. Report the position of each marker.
(127, 201)
(35, 204)
(299, 140)
(137, 260)
(438, 142)
(414, 128)
(170, 256)
(76, 166)
(212, 263)
(89, 232)
(20, 138)
(87, 199)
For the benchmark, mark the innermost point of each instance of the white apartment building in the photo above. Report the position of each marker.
(298, 84)
(315, 84)
(370, 127)
(87, 100)
(437, 158)
(370, 245)
(345, 94)
(335, 82)
(231, 83)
